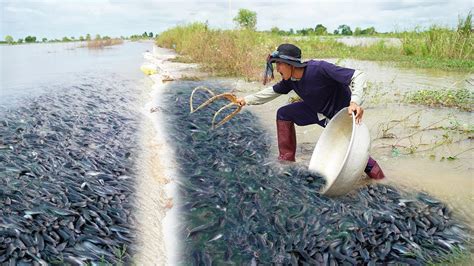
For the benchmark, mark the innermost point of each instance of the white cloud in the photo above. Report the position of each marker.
(54, 19)
(23, 11)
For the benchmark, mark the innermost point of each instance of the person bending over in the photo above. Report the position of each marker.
(324, 88)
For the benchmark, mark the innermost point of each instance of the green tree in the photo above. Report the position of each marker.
(65, 39)
(81, 38)
(246, 19)
(274, 30)
(44, 40)
(305, 31)
(144, 35)
(357, 31)
(88, 37)
(345, 30)
(336, 32)
(30, 39)
(97, 36)
(320, 30)
(369, 31)
(150, 34)
(20, 40)
(9, 39)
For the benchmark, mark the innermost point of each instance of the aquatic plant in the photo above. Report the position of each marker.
(462, 98)
(240, 207)
(405, 135)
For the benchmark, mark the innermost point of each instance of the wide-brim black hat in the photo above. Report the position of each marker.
(287, 53)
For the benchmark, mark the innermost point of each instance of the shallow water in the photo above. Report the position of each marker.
(451, 181)
(386, 77)
(32, 69)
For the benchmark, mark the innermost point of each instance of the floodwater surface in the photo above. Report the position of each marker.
(424, 148)
(32, 69)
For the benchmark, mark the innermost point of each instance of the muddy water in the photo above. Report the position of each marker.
(385, 77)
(424, 138)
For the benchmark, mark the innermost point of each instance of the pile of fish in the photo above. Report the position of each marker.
(66, 176)
(240, 207)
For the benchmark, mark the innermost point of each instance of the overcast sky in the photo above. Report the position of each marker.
(59, 18)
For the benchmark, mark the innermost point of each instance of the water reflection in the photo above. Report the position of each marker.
(37, 68)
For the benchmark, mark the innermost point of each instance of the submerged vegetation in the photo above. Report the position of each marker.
(460, 98)
(242, 52)
(101, 43)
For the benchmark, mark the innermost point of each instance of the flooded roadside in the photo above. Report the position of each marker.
(420, 148)
(261, 197)
(153, 155)
(427, 149)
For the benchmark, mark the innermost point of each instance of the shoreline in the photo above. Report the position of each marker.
(157, 188)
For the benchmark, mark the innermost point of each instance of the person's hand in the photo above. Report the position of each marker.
(359, 111)
(241, 101)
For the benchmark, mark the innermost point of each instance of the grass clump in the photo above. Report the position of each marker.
(461, 98)
(441, 47)
(441, 43)
(223, 52)
(101, 43)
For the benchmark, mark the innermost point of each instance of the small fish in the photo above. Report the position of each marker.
(203, 227)
(216, 237)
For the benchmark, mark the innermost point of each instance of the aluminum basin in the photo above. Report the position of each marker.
(341, 154)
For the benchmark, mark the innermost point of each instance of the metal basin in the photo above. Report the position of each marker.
(341, 154)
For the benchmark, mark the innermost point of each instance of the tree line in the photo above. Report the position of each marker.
(33, 39)
(247, 19)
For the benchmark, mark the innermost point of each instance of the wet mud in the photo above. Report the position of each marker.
(67, 178)
(240, 207)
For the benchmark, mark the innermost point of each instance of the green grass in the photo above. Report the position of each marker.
(439, 42)
(242, 52)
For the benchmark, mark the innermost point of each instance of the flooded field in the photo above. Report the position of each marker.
(114, 163)
(424, 148)
(426, 169)
(234, 192)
